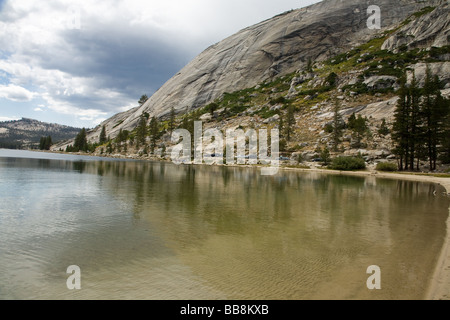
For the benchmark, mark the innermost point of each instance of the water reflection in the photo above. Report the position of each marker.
(217, 232)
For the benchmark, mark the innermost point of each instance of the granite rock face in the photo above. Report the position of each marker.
(278, 46)
(441, 69)
(430, 30)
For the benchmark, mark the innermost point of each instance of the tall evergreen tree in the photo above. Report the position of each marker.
(172, 120)
(48, 142)
(421, 122)
(102, 139)
(154, 132)
(337, 127)
(42, 143)
(445, 147)
(281, 126)
(141, 131)
(432, 117)
(81, 143)
(290, 122)
(415, 134)
(400, 130)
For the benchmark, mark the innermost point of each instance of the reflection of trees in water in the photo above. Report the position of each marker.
(79, 166)
(343, 218)
(213, 199)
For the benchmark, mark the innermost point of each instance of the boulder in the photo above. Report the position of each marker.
(206, 117)
(273, 119)
(380, 82)
(441, 69)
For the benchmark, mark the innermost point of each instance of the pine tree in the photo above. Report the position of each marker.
(281, 126)
(325, 156)
(141, 131)
(109, 147)
(445, 148)
(42, 143)
(48, 143)
(81, 141)
(442, 129)
(143, 100)
(290, 122)
(154, 132)
(400, 130)
(102, 139)
(172, 120)
(309, 65)
(415, 134)
(384, 130)
(337, 127)
(432, 117)
(352, 121)
(359, 127)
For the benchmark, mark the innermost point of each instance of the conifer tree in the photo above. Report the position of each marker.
(337, 127)
(400, 130)
(172, 120)
(290, 122)
(81, 141)
(141, 131)
(102, 139)
(154, 132)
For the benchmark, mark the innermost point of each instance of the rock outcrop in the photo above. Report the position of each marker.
(275, 47)
(432, 29)
(441, 69)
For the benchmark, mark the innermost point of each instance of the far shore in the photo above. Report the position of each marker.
(439, 287)
(411, 176)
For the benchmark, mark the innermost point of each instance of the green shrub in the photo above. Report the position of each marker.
(387, 166)
(279, 100)
(348, 163)
(266, 113)
(329, 128)
(331, 79)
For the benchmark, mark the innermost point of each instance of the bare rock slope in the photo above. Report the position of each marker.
(275, 47)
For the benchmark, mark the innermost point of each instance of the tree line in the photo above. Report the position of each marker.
(421, 129)
(45, 143)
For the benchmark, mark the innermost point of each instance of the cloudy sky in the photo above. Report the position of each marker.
(80, 62)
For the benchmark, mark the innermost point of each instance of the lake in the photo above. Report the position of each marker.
(150, 230)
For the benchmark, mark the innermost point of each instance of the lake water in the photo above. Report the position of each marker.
(146, 230)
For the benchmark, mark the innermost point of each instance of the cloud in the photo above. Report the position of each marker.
(15, 93)
(9, 118)
(96, 58)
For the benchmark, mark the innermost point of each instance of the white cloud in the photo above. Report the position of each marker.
(123, 48)
(9, 118)
(16, 93)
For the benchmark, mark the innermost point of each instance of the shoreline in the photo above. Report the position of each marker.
(439, 285)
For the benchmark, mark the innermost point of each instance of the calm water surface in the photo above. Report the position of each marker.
(142, 230)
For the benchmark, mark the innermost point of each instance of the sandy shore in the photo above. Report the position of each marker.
(439, 287)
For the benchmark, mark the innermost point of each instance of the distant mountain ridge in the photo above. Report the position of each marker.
(26, 133)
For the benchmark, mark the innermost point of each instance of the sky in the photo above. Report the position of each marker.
(78, 63)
